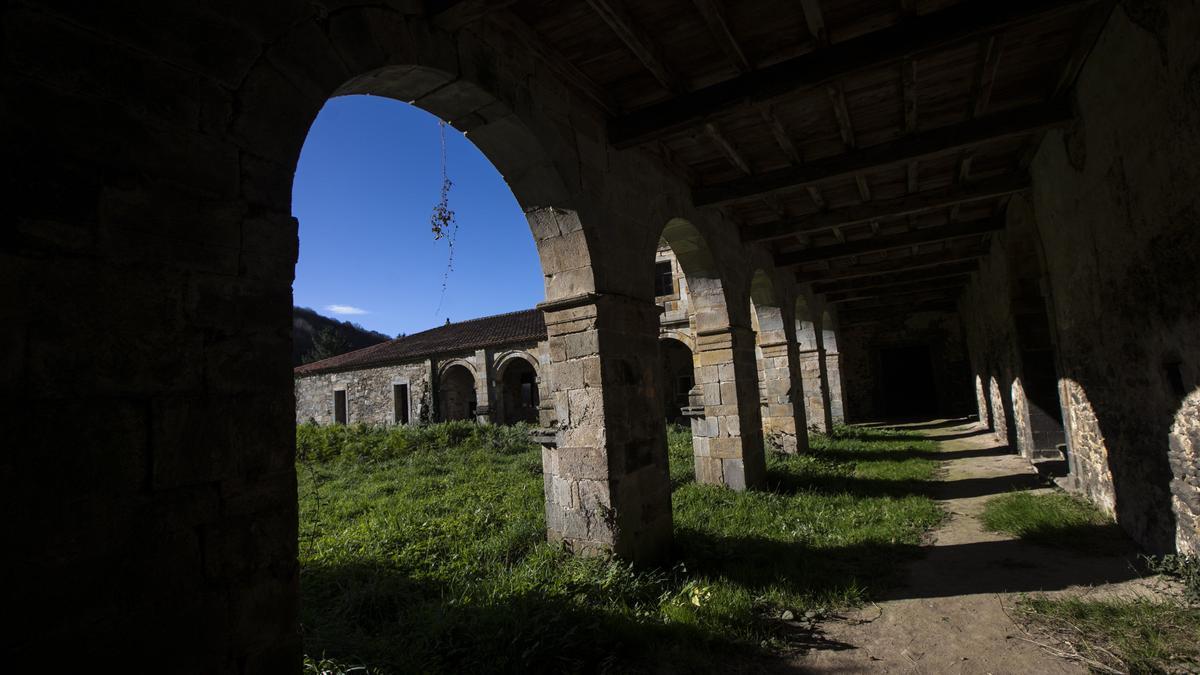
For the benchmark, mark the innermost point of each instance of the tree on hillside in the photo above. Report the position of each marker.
(326, 343)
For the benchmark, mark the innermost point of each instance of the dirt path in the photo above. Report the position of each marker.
(948, 617)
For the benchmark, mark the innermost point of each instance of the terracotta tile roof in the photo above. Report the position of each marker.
(488, 331)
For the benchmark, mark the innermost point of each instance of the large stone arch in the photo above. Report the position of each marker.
(457, 382)
(728, 440)
(512, 406)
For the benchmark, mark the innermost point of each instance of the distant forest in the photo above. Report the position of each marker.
(328, 336)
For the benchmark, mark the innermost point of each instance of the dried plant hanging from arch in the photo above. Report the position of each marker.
(442, 221)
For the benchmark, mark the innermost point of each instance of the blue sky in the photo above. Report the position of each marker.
(368, 178)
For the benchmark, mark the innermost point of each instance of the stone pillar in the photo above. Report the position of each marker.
(728, 440)
(606, 478)
(780, 385)
(485, 390)
(833, 380)
(812, 374)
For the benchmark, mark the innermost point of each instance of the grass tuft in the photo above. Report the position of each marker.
(422, 549)
(1055, 519)
(1119, 635)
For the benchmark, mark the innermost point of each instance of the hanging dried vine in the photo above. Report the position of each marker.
(442, 222)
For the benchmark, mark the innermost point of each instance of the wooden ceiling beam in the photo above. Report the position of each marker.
(893, 278)
(847, 319)
(887, 265)
(614, 13)
(920, 202)
(901, 301)
(930, 143)
(915, 237)
(454, 14)
(714, 16)
(956, 283)
(912, 36)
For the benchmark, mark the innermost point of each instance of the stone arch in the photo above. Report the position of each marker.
(456, 391)
(705, 284)
(727, 441)
(1037, 413)
(519, 387)
(383, 51)
(681, 336)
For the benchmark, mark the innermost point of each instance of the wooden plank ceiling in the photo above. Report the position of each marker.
(870, 144)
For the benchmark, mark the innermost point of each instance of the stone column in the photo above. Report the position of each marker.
(485, 391)
(605, 471)
(833, 380)
(728, 440)
(781, 386)
(812, 373)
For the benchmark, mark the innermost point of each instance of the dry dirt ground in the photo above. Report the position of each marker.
(949, 616)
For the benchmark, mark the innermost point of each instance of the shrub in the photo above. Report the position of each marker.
(1182, 566)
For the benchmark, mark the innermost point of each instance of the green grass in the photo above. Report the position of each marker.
(1130, 636)
(422, 549)
(1055, 519)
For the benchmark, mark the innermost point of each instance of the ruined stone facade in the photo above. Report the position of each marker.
(148, 264)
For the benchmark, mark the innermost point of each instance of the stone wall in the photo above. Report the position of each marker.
(369, 394)
(1117, 216)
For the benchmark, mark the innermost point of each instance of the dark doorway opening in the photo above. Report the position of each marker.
(519, 393)
(907, 381)
(677, 378)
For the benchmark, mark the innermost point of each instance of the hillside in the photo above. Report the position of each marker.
(307, 323)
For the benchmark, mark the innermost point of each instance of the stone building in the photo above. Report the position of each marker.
(851, 190)
(485, 369)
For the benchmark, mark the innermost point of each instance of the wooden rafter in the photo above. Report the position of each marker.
(556, 62)
(920, 202)
(903, 239)
(911, 37)
(986, 79)
(815, 20)
(900, 151)
(782, 138)
(714, 16)
(614, 13)
(727, 148)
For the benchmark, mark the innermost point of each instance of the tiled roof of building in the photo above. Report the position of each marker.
(488, 331)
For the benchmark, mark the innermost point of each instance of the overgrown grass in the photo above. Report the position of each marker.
(1123, 636)
(1055, 519)
(422, 549)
